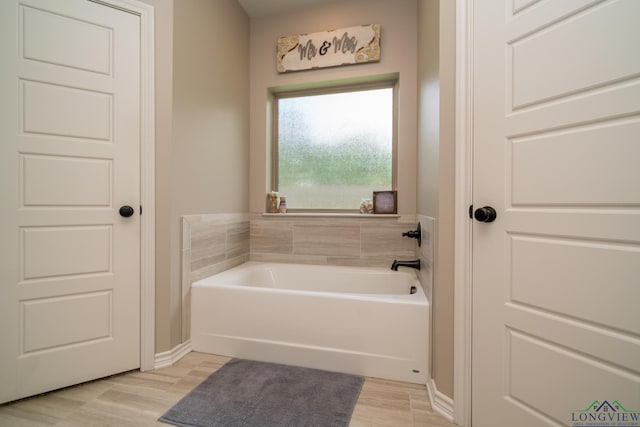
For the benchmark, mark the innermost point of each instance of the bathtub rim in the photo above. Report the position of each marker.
(417, 298)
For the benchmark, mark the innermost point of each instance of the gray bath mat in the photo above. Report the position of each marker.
(249, 393)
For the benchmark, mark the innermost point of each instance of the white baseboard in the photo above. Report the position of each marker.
(440, 403)
(168, 358)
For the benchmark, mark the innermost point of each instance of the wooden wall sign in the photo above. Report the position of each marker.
(345, 46)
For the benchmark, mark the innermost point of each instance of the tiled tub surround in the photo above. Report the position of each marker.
(426, 253)
(210, 244)
(370, 240)
(358, 240)
(214, 243)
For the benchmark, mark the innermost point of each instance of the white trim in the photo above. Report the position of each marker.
(463, 225)
(440, 403)
(148, 192)
(168, 358)
(147, 175)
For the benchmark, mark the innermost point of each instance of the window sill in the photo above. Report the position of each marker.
(328, 215)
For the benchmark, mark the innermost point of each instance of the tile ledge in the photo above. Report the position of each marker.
(329, 215)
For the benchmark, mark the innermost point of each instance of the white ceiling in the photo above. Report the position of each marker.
(256, 8)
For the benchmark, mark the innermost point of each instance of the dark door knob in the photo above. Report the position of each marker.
(126, 211)
(485, 214)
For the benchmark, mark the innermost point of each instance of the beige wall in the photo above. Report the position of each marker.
(399, 55)
(436, 151)
(443, 356)
(428, 107)
(202, 131)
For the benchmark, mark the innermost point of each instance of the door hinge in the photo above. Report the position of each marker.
(140, 209)
(471, 211)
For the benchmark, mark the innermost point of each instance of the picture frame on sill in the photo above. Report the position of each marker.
(385, 202)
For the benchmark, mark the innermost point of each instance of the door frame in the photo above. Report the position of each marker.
(147, 174)
(463, 243)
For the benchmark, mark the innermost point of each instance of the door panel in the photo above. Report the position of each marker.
(556, 149)
(64, 251)
(70, 129)
(87, 45)
(543, 390)
(541, 56)
(90, 109)
(570, 182)
(64, 181)
(80, 318)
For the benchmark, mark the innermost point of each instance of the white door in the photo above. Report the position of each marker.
(556, 277)
(69, 159)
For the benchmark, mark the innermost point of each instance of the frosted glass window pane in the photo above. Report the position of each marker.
(335, 149)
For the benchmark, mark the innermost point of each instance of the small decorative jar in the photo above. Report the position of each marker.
(273, 202)
(283, 204)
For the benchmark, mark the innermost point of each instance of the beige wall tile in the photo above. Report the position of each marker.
(289, 258)
(387, 239)
(216, 239)
(425, 253)
(186, 294)
(186, 234)
(207, 245)
(210, 270)
(331, 239)
(271, 237)
(341, 240)
(212, 243)
(373, 261)
(238, 239)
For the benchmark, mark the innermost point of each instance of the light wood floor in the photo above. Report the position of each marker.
(140, 398)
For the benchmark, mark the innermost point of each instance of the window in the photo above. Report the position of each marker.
(333, 148)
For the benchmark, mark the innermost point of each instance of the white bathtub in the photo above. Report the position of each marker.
(357, 320)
